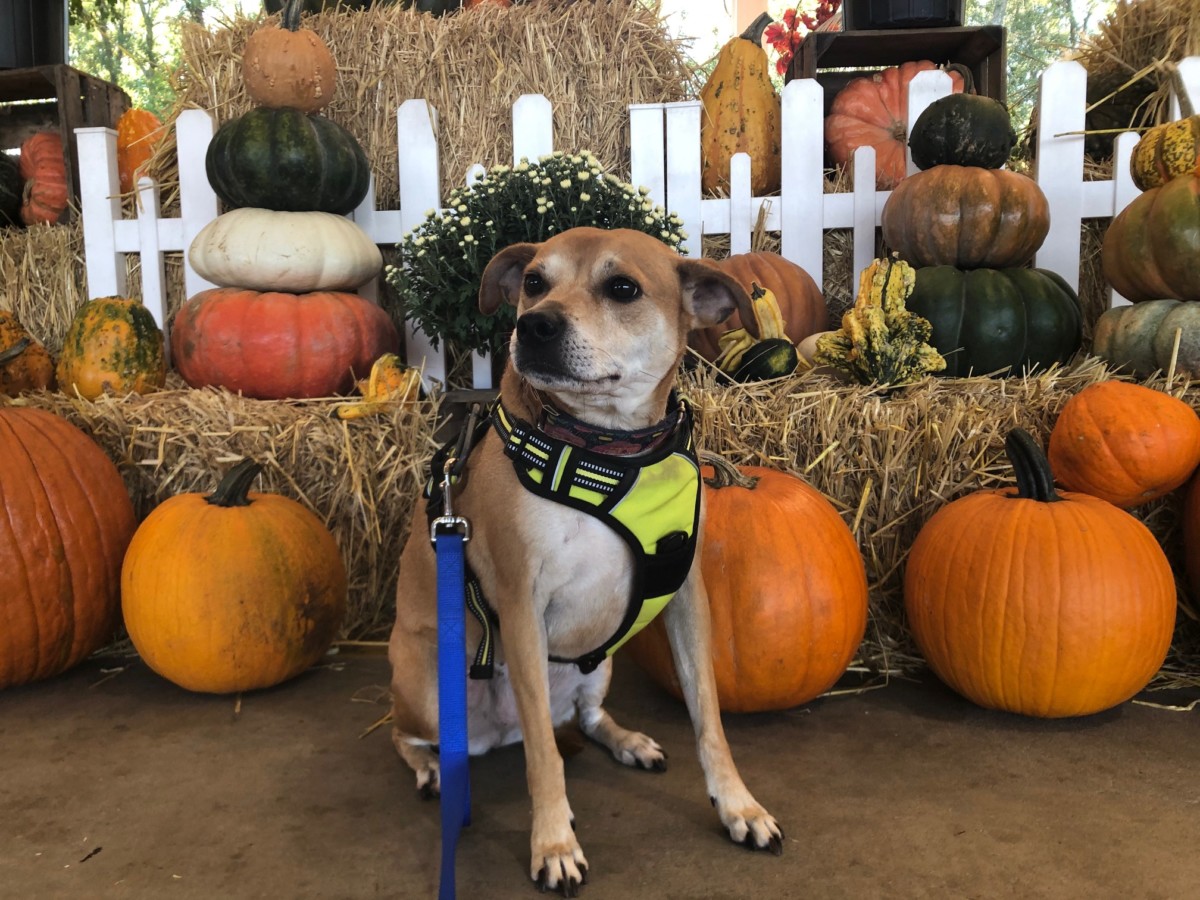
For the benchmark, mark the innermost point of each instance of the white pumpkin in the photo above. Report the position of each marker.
(296, 252)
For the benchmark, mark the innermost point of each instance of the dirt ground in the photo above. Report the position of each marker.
(119, 784)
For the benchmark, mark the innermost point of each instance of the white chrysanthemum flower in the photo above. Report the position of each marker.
(584, 175)
(584, 197)
(469, 238)
(464, 221)
(565, 183)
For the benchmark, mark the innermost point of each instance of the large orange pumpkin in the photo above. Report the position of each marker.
(800, 300)
(1124, 442)
(787, 591)
(137, 132)
(67, 519)
(44, 168)
(232, 591)
(966, 217)
(1039, 603)
(873, 111)
(274, 345)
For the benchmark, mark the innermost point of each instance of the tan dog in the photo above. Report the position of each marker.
(603, 320)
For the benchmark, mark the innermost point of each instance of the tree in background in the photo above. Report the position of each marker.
(135, 43)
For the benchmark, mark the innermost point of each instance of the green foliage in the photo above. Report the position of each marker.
(444, 257)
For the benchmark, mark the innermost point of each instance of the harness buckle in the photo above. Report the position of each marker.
(448, 522)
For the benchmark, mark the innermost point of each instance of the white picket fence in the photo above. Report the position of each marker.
(664, 157)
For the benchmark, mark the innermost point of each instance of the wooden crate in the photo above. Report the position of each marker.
(45, 98)
(834, 58)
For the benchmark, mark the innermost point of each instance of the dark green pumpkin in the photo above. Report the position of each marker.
(770, 358)
(285, 160)
(997, 320)
(962, 130)
(11, 186)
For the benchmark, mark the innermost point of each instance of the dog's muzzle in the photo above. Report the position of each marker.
(541, 343)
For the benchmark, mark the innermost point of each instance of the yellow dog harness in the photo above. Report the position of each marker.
(651, 500)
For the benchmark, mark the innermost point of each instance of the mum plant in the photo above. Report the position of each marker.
(443, 258)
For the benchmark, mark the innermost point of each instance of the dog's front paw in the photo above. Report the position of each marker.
(750, 825)
(558, 863)
(640, 751)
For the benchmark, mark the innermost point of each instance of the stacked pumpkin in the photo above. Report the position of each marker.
(33, 187)
(283, 322)
(1149, 255)
(969, 227)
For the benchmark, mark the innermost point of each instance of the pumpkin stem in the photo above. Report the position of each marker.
(725, 473)
(754, 31)
(1035, 481)
(291, 16)
(14, 351)
(967, 77)
(235, 485)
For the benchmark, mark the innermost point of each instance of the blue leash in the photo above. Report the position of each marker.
(449, 533)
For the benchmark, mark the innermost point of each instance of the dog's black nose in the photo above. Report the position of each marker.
(538, 327)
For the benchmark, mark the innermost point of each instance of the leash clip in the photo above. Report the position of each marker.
(448, 522)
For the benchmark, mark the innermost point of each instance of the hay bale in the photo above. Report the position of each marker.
(590, 58)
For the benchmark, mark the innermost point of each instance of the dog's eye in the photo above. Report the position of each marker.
(623, 289)
(534, 284)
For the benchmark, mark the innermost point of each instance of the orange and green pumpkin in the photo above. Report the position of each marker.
(1151, 250)
(68, 519)
(113, 344)
(234, 590)
(1036, 602)
(787, 593)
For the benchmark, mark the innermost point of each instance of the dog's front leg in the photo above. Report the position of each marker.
(689, 630)
(557, 861)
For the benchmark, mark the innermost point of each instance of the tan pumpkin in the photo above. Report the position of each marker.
(289, 66)
(44, 168)
(25, 365)
(873, 111)
(138, 130)
(1125, 443)
(801, 302)
(787, 593)
(113, 344)
(234, 590)
(68, 519)
(741, 114)
(1036, 602)
(966, 217)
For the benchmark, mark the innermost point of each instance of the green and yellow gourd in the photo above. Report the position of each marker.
(741, 114)
(1170, 150)
(770, 355)
(113, 344)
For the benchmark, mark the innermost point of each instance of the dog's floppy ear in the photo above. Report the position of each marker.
(501, 281)
(712, 296)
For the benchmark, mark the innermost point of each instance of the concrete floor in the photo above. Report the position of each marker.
(124, 786)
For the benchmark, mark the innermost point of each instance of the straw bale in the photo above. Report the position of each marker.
(590, 58)
(42, 278)
(361, 478)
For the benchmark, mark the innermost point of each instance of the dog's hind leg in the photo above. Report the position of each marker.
(423, 760)
(629, 747)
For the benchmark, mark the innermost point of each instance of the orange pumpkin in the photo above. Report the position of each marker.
(787, 591)
(44, 168)
(966, 217)
(68, 519)
(1124, 442)
(232, 591)
(289, 65)
(873, 111)
(137, 132)
(1039, 603)
(800, 300)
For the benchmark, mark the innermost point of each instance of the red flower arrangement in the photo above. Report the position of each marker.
(785, 36)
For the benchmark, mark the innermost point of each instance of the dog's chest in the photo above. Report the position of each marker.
(581, 576)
